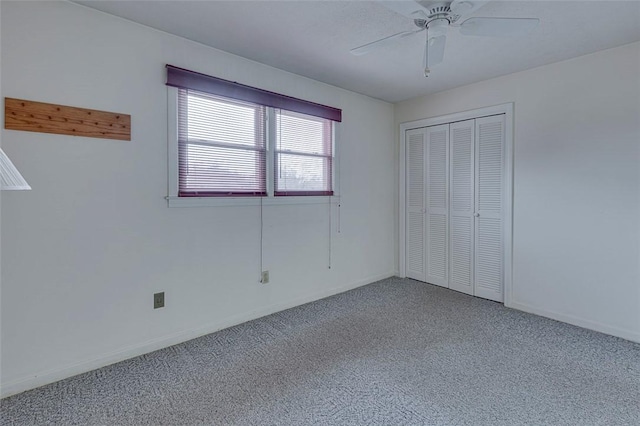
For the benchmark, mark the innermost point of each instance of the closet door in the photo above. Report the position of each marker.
(415, 204)
(461, 206)
(489, 190)
(437, 155)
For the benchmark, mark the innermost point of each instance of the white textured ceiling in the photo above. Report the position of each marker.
(313, 38)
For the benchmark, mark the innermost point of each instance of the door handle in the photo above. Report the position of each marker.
(476, 215)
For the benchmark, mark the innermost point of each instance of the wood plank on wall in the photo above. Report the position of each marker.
(34, 116)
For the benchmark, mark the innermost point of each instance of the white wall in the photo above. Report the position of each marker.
(83, 252)
(576, 218)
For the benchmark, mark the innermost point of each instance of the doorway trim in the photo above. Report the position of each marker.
(507, 110)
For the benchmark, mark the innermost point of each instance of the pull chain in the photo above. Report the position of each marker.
(426, 53)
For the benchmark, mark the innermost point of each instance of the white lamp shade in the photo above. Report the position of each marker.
(12, 180)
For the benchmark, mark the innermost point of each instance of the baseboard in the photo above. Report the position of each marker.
(580, 322)
(50, 376)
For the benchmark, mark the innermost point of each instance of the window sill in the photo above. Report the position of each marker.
(248, 201)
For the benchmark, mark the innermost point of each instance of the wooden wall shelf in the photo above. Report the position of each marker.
(33, 116)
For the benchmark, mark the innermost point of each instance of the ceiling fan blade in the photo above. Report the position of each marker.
(498, 27)
(366, 48)
(434, 51)
(410, 9)
(466, 7)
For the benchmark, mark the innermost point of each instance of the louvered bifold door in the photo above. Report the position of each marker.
(489, 190)
(461, 206)
(437, 160)
(415, 204)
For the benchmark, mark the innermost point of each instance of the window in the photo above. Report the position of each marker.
(221, 146)
(303, 155)
(238, 141)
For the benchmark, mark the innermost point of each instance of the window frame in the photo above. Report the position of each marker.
(275, 152)
(174, 200)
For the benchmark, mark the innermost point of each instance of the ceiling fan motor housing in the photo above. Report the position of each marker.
(436, 10)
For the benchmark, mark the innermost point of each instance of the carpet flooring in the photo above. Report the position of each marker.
(395, 352)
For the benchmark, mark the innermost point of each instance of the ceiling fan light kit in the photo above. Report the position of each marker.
(435, 17)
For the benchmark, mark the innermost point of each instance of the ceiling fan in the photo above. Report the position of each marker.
(434, 17)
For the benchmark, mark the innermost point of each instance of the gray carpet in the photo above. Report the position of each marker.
(390, 353)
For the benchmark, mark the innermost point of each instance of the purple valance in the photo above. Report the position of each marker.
(185, 79)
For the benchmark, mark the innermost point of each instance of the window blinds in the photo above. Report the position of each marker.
(222, 145)
(303, 154)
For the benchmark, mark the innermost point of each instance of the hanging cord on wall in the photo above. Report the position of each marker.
(271, 145)
(330, 231)
(336, 186)
(261, 241)
(339, 183)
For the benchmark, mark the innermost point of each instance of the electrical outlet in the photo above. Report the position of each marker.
(158, 300)
(265, 277)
